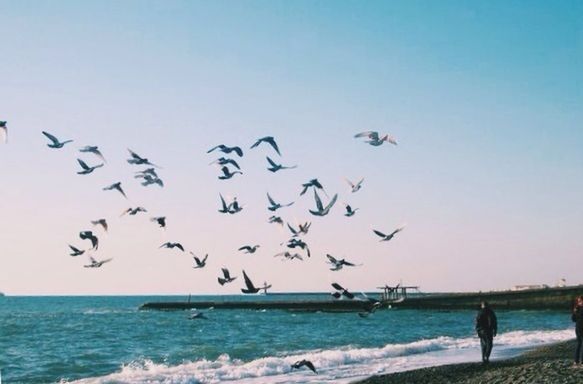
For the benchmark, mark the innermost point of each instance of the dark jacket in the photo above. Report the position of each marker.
(486, 321)
(577, 318)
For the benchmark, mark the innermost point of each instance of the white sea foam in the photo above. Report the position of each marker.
(340, 365)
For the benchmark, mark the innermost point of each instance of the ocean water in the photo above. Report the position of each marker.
(108, 340)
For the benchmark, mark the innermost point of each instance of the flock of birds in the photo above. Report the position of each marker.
(295, 248)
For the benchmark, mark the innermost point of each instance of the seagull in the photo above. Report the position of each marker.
(295, 243)
(134, 211)
(101, 222)
(170, 245)
(389, 236)
(304, 363)
(274, 167)
(87, 169)
(321, 210)
(138, 160)
(250, 287)
(95, 263)
(116, 186)
(199, 263)
(226, 277)
(338, 263)
(55, 143)
(275, 219)
(198, 315)
(340, 291)
(234, 207)
(350, 211)
(149, 180)
(312, 183)
(93, 149)
(227, 174)
(289, 256)
(4, 130)
(161, 221)
(88, 235)
(275, 206)
(374, 139)
(249, 248)
(226, 161)
(227, 150)
(354, 187)
(75, 251)
(269, 140)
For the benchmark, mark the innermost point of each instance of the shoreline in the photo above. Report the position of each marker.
(552, 363)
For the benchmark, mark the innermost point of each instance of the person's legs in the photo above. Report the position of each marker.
(483, 344)
(489, 345)
(578, 357)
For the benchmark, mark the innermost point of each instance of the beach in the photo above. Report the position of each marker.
(547, 364)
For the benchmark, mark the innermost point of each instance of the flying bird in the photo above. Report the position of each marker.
(276, 220)
(297, 243)
(350, 211)
(226, 161)
(338, 263)
(250, 288)
(138, 160)
(75, 251)
(117, 187)
(93, 149)
(289, 256)
(226, 277)
(275, 206)
(88, 235)
(354, 187)
(374, 139)
(340, 291)
(149, 180)
(101, 222)
(170, 245)
(249, 248)
(304, 228)
(269, 140)
(200, 263)
(4, 131)
(389, 236)
(148, 171)
(304, 363)
(161, 221)
(227, 150)
(234, 207)
(312, 183)
(134, 211)
(87, 169)
(321, 210)
(55, 143)
(95, 263)
(227, 174)
(274, 167)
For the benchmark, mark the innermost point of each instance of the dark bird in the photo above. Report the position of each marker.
(149, 180)
(354, 187)
(55, 143)
(199, 263)
(134, 211)
(226, 161)
(170, 245)
(340, 291)
(75, 251)
(321, 210)
(227, 174)
(275, 206)
(312, 183)
(234, 207)
(269, 140)
(148, 171)
(101, 222)
(304, 228)
(88, 235)
(95, 263)
(224, 206)
(249, 248)
(93, 149)
(389, 236)
(350, 211)
(250, 288)
(161, 221)
(4, 131)
(138, 160)
(374, 139)
(338, 263)
(289, 256)
(87, 169)
(274, 167)
(304, 363)
(227, 150)
(276, 220)
(297, 243)
(117, 187)
(198, 315)
(226, 277)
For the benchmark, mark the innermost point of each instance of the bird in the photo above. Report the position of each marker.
(304, 363)
(75, 251)
(289, 256)
(223, 148)
(276, 220)
(249, 248)
(350, 211)
(199, 263)
(227, 174)
(101, 222)
(226, 161)
(55, 143)
(250, 288)
(149, 180)
(95, 263)
(234, 207)
(338, 263)
(340, 291)
(226, 277)
(297, 243)
(274, 167)
(134, 211)
(4, 130)
(161, 221)
(88, 235)
(138, 160)
(87, 169)
(93, 149)
(304, 228)
(355, 187)
(170, 245)
(198, 315)
(374, 139)
(389, 236)
(147, 171)
(117, 187)
(224, 206)
(312, 183)
(269, 140)
(275, 206)
(321, 210)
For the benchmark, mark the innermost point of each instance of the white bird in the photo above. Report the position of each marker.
(55, 143)
(101, 222)
(354, 187)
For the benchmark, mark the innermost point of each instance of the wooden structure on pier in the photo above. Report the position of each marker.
(395, 294)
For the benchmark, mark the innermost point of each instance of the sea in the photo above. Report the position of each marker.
(107, 339)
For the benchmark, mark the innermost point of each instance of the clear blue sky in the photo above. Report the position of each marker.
(485, 98)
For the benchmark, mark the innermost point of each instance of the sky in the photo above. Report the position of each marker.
(484, 98)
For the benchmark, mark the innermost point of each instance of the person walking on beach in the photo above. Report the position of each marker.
(577, 318)
(486, 327)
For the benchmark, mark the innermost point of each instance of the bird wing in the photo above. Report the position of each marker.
(105, 261)
(165, 245)
(271, 201)
(349, 182)
(245, 247)
(83, 164)
(348, 263)
(225, 208)
(332, 259)
(331, 203)
(370, 134)
(272, 142)
(318, 201)
(134, 155)
(248, 281)
(226, 273)
(204, 259)
(337, 286)
(397, 231)
(213, 148)
(379, 233)
(179, 246)
(293, 231)
(271, 162)
(360, 182)
(51, 137)
(238, 151)
(310, 365)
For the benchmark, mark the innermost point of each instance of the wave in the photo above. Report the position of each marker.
(334, 365)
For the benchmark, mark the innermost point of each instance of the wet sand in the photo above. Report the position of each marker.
(552, 364)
